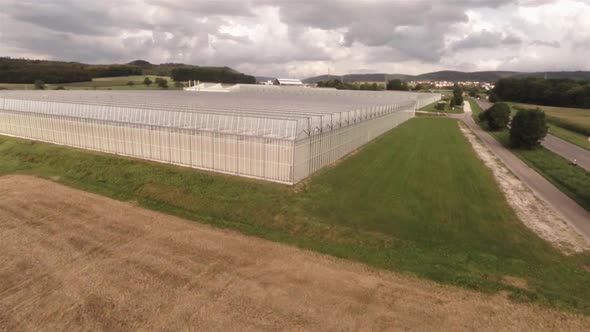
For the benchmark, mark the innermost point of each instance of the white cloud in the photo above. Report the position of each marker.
(304, 38)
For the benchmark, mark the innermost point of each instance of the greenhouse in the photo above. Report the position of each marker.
(280, 134)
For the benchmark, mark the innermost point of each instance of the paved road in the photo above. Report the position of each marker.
(565, 149)
(569, 209)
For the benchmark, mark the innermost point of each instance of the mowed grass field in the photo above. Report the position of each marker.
(104, 83)
(416, 200)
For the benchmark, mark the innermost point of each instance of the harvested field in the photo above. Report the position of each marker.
(73, 260)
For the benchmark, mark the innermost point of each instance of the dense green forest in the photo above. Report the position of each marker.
(552, 92)
(210, 74)
(58, 72)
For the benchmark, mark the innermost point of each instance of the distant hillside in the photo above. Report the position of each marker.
(57, 72)
(453, 76)
(28, 71)
(378, 77)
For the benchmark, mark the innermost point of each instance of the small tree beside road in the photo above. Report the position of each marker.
(458, 95)
(497, 117)
(528, 128)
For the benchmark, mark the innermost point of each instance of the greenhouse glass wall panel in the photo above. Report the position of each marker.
(280, 134)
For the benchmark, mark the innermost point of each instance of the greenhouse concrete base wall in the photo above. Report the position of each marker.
(278, 160)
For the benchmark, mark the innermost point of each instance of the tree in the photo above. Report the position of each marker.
(397, 85)
(39, 85)
(550, 92)
(452, 103)
(147, 81)
(211, 74)
(458, 95)
(528, 128)
(162, 82)
(497, 117)
(493, 98)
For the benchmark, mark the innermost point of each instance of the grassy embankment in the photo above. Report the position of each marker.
(105, 83)
(573, 181)
(417, 200)
(569, 124)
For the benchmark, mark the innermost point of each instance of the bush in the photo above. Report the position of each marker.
(130, 83)
(529, 127)
(497, 117)
(147, 81)
(162, 83)
(440, 106)
(39, 85)
(493, 98)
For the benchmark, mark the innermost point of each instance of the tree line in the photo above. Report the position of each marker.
(338, 84)
(552, 92)
(210, 74)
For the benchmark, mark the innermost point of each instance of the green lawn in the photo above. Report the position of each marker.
(104, 83)
(417, 200)
(475, 110)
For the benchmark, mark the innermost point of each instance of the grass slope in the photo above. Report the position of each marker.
(570, 136)
(417, 200)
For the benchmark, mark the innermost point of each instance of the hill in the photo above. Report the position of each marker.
(377, 77)
(452, 76)
(59, 72)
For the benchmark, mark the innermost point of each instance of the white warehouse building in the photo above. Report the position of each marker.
(276, 134)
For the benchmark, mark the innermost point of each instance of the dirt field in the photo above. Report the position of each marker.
(71, 260)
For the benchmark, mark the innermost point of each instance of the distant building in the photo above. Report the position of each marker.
(288, 82)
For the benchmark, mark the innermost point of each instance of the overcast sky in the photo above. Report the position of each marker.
(301, 38)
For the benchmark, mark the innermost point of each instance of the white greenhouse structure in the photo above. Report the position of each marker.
(271, 133)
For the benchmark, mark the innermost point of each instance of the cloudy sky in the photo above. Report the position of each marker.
(301, 38)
